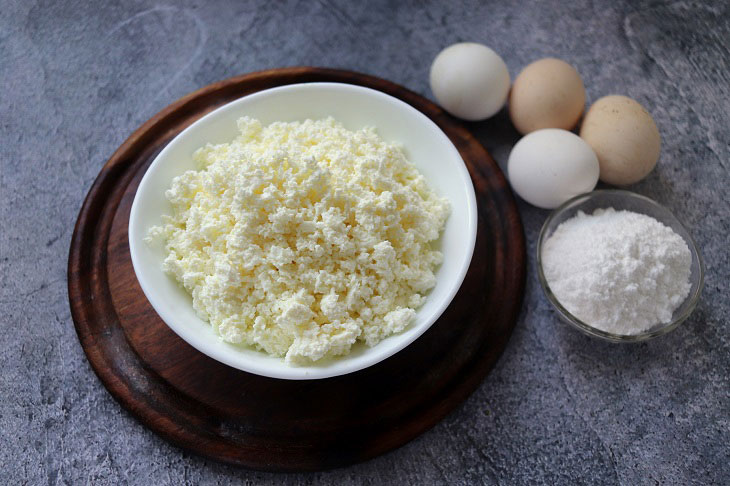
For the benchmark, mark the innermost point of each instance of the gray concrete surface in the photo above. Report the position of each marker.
(78, 77)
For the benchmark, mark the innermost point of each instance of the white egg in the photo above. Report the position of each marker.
(470, 81)
(547, 167)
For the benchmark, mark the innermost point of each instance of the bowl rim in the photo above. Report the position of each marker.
(308, 372)
(693, 298)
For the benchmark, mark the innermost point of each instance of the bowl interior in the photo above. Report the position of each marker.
(629, 201)
(355, 107)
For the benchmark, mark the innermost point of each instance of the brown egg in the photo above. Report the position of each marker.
(547, 94)
(625, 138)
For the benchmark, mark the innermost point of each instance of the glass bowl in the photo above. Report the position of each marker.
(622, 200)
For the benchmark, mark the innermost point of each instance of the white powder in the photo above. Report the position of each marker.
(618, 271)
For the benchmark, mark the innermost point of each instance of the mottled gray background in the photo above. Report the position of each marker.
(78, 77)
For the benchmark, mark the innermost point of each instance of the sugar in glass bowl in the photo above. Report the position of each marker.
(622, 200)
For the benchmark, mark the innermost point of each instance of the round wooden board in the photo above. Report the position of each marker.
(270, 424)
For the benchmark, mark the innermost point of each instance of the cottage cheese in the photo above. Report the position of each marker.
(302, 238)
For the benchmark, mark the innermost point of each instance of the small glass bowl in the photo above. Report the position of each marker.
(622, 200)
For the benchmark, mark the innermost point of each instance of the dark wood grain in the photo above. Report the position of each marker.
(236, 417)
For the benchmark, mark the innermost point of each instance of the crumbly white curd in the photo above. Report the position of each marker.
(302, 238)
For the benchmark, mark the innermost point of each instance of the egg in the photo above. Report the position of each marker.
(548, 93)
(624, 137)
(470, 81)
(549, 166)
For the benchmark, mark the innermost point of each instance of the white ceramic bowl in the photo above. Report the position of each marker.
(355, 107)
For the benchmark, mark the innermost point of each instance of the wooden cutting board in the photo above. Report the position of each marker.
(236, 417)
